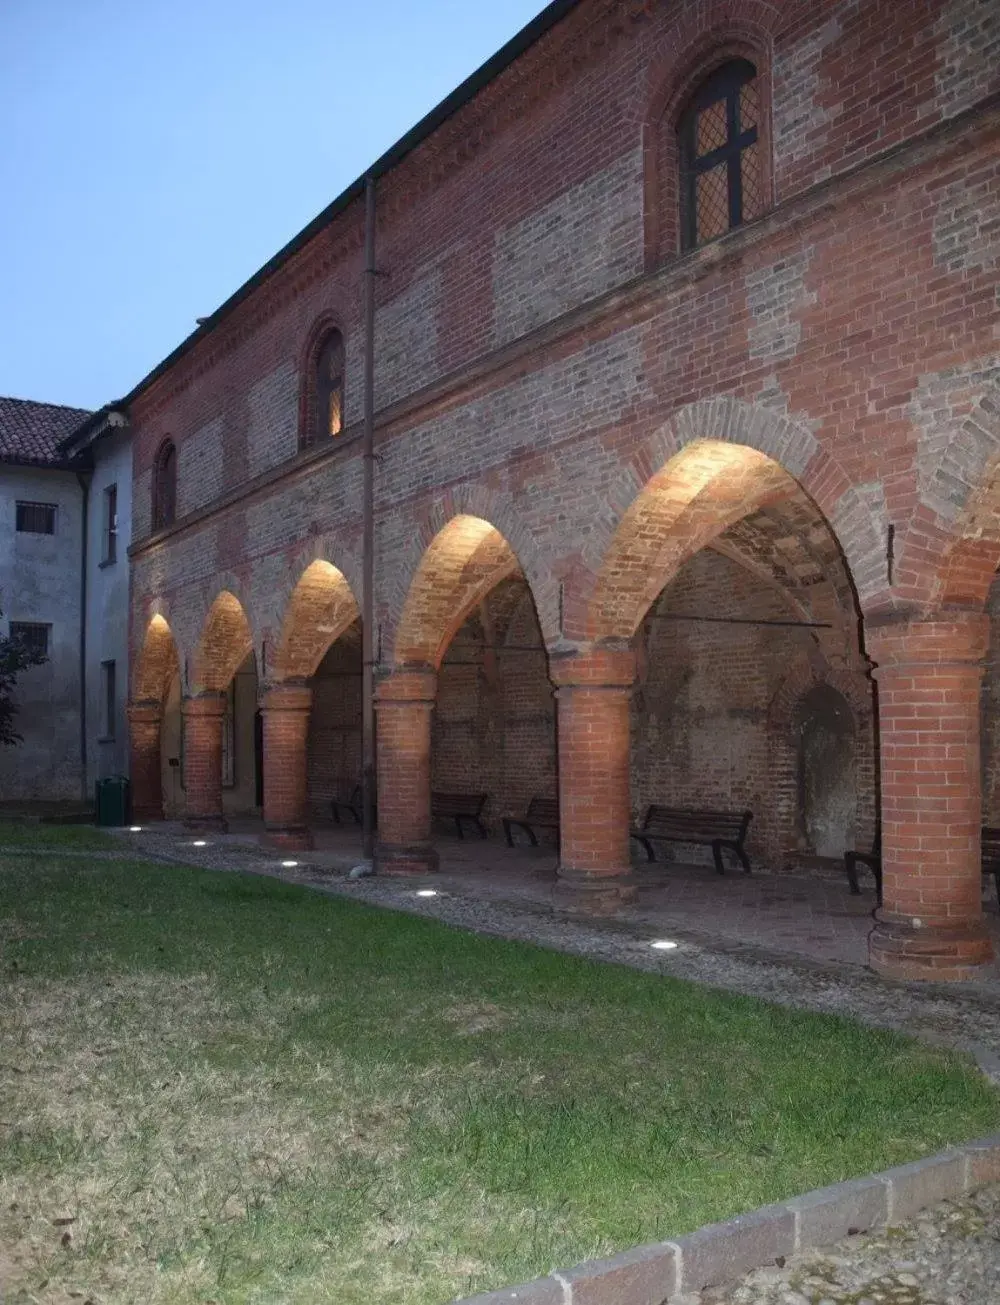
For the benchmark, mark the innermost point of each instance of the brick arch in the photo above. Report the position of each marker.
(970, 556)
(226, 642)
(157, 663)
(463, 562)
(491, 506)
(703, 39)
(715, 462)
(320, 609)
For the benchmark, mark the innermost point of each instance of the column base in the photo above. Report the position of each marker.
(207, 824)
(145, 815)
(597, 894)
(288, 839)
(391, 859)
(898, 950)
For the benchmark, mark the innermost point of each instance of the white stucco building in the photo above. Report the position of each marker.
(65, 514)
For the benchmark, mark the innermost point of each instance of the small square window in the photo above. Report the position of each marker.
(36, 518)
(31, 635)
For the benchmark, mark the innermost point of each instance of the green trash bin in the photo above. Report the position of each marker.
(111, 801)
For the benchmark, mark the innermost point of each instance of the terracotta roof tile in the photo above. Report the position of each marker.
(30, 432)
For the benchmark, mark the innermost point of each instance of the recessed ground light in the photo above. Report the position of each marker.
(427, 892)
(135, 829)
(199, 842)
(289, 865)
(663, 945)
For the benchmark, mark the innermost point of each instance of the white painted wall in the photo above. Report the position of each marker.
(40, 581)
(107, 606)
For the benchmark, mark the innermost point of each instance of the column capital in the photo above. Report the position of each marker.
(955, 638)
(145, 712)
(287, 696)
(593, 668)
(411, 685)
(209, 703)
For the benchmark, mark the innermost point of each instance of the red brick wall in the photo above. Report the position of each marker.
(533, 374)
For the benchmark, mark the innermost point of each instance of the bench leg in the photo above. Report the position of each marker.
(336, 814)
(458, 826)
(741, 853)
(851, 866)
(507, 832)
(483, 831)
(717, 853)
(646, 845)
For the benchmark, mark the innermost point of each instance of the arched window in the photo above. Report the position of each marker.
(165, 486)
(721, 177)
(329, 388)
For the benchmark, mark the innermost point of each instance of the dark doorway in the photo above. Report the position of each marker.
(826, 780)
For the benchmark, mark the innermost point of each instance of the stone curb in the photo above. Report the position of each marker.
(655, 1274)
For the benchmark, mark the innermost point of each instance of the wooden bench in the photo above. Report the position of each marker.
(459, 807)
(352, 806)
(990, 854)
(542, 813)
(717, 829)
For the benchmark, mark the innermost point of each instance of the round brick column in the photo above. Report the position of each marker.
(285, 711)
(404, 703)
(145, 764)
(203, 721)
(930, 924)
(592, 695)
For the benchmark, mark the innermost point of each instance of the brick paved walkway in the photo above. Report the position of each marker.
(807, 915)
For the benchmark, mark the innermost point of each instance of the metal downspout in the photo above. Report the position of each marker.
(84, 483)
(368, 562)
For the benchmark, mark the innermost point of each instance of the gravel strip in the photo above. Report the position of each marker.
(948, 1255)
(965, 1017)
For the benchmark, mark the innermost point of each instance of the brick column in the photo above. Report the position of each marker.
(145, 763)
(592, 695)
(285, 710)
(404, 703)
(203, 718)
(930, 925)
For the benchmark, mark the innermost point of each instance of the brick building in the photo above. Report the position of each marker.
(688, 424)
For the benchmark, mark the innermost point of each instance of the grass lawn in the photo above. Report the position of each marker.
(223, 1088)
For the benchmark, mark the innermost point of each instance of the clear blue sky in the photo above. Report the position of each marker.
(154, 153)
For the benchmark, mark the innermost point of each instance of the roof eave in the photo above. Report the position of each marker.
(541, 24)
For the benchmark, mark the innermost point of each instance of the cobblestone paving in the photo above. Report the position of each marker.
(948, 1255)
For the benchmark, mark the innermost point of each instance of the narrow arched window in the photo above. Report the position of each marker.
(165, 486)
(329, 387)
(721, 180)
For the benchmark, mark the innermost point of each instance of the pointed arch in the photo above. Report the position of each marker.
(225, 643)
(715, 462)
(464, 561)
(321, 608)
(966, 489)
(157, 663)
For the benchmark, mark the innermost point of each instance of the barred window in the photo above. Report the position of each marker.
(31, 635)
(35, 518)
(721, 179)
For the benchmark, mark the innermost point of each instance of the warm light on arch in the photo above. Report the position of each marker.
(321, 607)
(465, 560)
